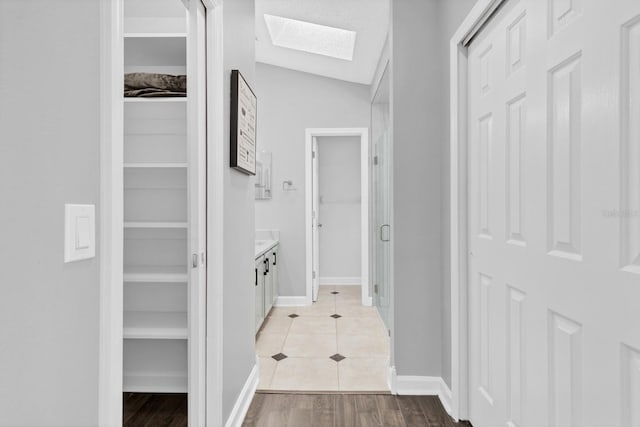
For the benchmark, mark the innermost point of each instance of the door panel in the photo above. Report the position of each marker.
(381, 212)
(197, 136)
(316, 219)
(554, 202)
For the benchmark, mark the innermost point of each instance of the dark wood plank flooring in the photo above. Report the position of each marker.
(154, 410)
(346, 410)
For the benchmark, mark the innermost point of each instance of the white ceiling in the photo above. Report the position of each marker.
(368, 18)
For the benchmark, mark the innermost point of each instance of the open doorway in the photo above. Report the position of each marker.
(152, 352)
(337, 211)
(337, 341)
(345, 205)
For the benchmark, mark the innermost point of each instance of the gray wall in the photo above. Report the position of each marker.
(420, 33)
(49, 155)
(238, 318)
(340, 201)
(417, 220)
(288, 102)
(452, 13)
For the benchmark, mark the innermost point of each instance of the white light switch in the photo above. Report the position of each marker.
(83, 232)
(80, 232)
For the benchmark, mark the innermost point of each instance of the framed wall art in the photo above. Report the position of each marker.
(244, 106)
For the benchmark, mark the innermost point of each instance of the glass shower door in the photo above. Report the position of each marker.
(381, 230)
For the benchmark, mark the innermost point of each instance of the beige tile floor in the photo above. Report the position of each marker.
(310, 339)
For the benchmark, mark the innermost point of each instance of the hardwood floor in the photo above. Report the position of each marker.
(155, 410)
(346, 410)
(299, 410)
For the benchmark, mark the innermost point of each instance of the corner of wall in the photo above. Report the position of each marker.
(243, 402)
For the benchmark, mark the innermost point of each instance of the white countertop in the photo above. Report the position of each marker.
(263, 246)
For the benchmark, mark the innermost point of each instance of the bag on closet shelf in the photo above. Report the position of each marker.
(154, 85)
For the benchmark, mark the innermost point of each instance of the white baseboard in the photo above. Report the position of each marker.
(420, 386)
(284, 301)
(353, 281)
(243, 402)
(391, 379)
(446, 397)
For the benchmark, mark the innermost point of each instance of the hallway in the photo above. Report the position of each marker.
(334, 345)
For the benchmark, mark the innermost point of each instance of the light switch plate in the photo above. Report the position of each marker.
(79, 232)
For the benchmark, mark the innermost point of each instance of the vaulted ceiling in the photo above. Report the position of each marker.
(369, 19)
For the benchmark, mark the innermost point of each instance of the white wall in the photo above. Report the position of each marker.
(238, 293)
(340, 201)
(49, 155)
(288, 103)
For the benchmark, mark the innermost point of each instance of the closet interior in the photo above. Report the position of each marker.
(163, 197)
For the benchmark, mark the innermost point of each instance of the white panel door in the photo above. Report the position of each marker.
(197, 199)
(554, 215)
(315, 221)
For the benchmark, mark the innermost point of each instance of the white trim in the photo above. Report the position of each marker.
(479, 23)
(380, 68)
(211, 4)
(363, 133)
(284, 301)
(111, 214)
(196, 136)
(345, 281)
(446, 397)
(216, 168)
(411, 385)
(391, 379)
(408, 385)
(243, 402)
(479, 14)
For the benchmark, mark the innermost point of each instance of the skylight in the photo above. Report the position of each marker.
(312, 38)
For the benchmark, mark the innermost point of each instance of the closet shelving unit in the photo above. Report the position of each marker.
(156, 205)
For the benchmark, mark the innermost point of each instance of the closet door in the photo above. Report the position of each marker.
(197, 136)
(554, 224)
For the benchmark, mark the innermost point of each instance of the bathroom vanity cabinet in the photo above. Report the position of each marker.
(266, 280)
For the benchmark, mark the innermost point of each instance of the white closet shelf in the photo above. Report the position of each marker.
(162, 325)
(156, 383)
(155, 35)
(155, 100)
(155, 274)
(150, 165)
(149, 224)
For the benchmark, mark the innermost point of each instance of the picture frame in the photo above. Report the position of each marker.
(244, 106)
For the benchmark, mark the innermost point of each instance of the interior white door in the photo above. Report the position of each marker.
(315, 223)
(554, 215)
(197, 197)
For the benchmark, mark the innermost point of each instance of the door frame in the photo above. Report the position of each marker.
(110, 364)
(216, 168)
(481, 12)
(363, 133)
(110, 354)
